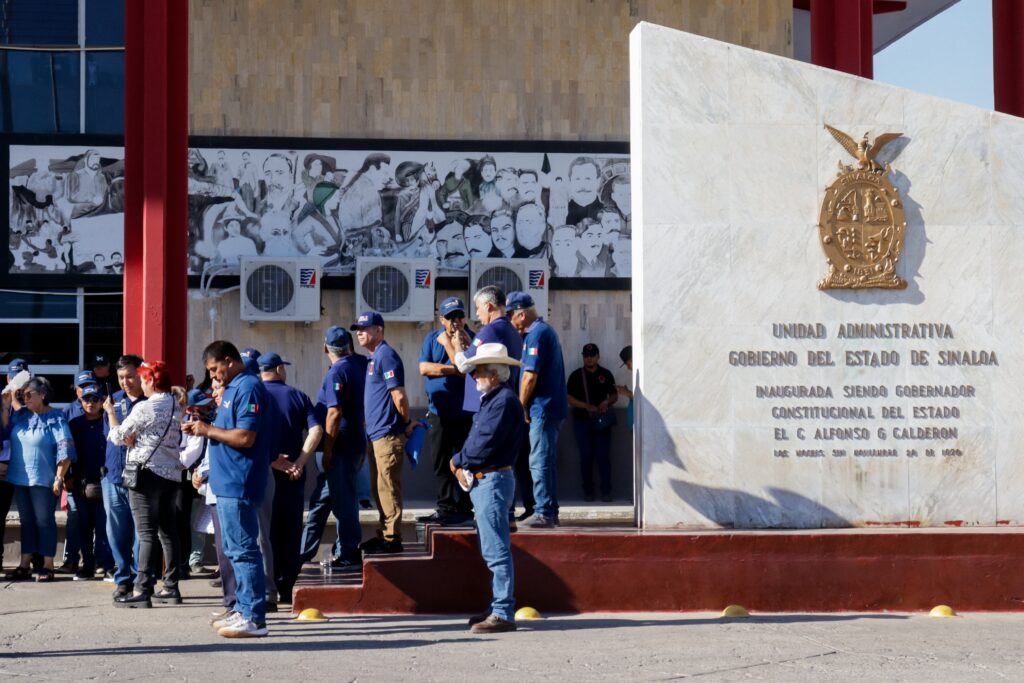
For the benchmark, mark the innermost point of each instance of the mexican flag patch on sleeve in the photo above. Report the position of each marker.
(389, 374)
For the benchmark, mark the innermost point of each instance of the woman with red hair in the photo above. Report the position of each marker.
(152, 433)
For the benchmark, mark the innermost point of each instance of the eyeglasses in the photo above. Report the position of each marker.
(26, 393)
(91, 399)
(455, 316)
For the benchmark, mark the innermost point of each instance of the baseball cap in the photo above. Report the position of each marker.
(271, 360)
(338, 336)
(85, 377)
(591, 350)
(16, 366)
(249, 352)
(626, 354)
(517, 301)
(198, 397)
(100, 359)
(251, 364)
(367, 319)
(91, 390)
(450, 305)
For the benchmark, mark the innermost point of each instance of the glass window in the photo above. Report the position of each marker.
(39, 92)
(31, 22)
(104, 23)
(103, 329)
(55, 344)
(104, 92)
(21, 305)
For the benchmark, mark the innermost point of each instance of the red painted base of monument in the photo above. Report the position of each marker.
(632, 571)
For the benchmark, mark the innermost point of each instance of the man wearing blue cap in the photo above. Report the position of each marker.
(386, 409)
(72, 530)
(89, 432)
(6, 488)
(298, 434)
(543, 395)
(339, 409)
(448, 423)
(497, 329)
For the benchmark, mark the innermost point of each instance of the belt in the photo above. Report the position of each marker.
(482, 473)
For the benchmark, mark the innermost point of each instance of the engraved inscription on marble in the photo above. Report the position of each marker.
(862, 225)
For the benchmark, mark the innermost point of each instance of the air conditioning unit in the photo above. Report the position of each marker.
(398, 289)
(512, 275)
(280, 288)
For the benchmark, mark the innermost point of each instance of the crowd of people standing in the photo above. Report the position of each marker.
(152, 470)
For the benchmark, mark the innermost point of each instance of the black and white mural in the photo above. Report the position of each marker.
(66, 209)
(573, 210)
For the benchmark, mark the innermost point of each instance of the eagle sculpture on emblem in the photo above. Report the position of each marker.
(862, 224)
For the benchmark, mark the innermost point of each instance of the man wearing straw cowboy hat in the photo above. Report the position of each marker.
(484, 468)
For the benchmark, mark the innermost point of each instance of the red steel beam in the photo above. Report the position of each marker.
(880, 6)
(1008, 56)
(841, 35)
(156, 153)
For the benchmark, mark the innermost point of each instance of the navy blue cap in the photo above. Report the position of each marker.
(251, 364)
(250, 352)
(450, 305)
(591, 350)
(198, 397)
(337, 336)
(368, 319)
(84, 378)
(517, 301)
(91, 390)
(16, 366)
(271, 360)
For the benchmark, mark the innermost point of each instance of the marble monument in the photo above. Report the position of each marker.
(765, 401)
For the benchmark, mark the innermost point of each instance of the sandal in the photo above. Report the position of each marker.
(44, 575)
(19, 574)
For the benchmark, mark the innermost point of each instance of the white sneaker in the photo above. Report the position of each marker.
(229, 620)
(243, 628)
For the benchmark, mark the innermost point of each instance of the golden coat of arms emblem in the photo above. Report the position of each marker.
(862, 224)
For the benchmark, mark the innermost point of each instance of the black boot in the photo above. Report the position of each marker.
(167, 596)
(134, 601)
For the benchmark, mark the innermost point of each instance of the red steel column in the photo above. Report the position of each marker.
(1008, 55)
(841, 36)
(156, 154)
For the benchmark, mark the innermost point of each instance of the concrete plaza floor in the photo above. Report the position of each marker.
(69, 631)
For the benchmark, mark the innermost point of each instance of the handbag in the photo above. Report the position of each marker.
(130, 476)
(92, 491)
(599, 421)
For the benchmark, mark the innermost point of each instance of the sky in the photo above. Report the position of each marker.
(949, 56)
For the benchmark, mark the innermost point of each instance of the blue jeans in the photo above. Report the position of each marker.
(37, 507)
(92, 527)
(72, 532)
(124, 544)
(240, 533)
(363, 481)
(316, 520)
(544, 465)
(594, 444)
(343, 485)
(491, 497)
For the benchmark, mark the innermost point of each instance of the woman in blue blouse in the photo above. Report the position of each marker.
(41, 453)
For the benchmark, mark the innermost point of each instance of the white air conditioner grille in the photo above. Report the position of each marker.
(385, 288)
(270, 288)
(504, 278)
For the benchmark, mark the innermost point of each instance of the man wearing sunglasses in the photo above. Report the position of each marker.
(448, 423)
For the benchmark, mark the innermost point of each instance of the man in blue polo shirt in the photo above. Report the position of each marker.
(490, 309)
(448, 422)
(124, 544)
(298, 434)
(542, 393)
(386, 409)
(239, 466)
(339, 409)
(72, 530)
